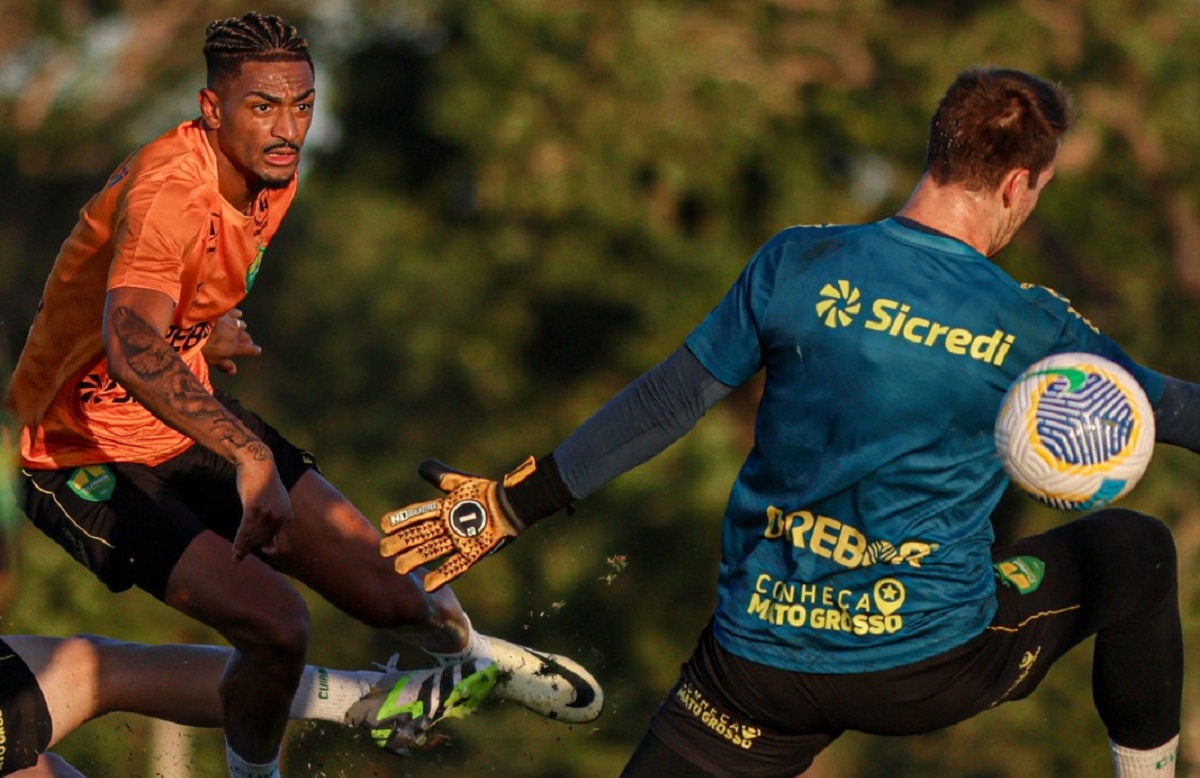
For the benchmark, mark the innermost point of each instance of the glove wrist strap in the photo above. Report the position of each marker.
(538, 495)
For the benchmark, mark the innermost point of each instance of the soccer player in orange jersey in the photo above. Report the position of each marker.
(149, 477)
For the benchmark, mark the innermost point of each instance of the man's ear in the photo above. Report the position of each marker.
(1013, 181)
(210, 108)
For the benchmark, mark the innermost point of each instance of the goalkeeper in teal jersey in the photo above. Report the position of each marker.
(859, 586)
(866, 499)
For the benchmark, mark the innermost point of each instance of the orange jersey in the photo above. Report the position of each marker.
(160, 223)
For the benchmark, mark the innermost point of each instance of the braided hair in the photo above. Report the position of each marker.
(254, 37)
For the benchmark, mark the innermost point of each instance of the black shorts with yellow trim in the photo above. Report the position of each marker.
(130, 524)
(729, 716)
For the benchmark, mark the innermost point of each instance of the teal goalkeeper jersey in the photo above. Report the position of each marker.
(857, 536)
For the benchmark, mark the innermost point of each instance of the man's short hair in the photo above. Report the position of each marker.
(254, 37)
(993, 120)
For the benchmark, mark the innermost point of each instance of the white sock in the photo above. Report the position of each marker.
(240, 768)
(327, 694)
(1153, 763)
(476, 648)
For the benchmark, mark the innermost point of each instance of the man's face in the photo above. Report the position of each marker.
(264, 115)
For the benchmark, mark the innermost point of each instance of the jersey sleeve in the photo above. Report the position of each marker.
(1079, 334)
(728, 343)
(158, 224)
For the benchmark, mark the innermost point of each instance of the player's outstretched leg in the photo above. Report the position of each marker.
(403, 706)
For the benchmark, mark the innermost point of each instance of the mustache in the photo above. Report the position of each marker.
(281, 145)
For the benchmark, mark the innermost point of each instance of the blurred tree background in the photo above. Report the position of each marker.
(510, 209)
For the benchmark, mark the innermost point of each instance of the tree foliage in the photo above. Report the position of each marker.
(512, 208)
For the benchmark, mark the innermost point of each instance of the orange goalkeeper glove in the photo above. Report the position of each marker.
(476, 517)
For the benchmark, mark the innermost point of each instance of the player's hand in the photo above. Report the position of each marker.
(471, 521)
(230, 338)
(267, 514)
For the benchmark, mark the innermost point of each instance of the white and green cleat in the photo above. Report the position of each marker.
(403, 706)
(547, 684)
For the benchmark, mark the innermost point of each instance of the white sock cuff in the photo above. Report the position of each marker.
(240, 768)
(327, 694)
(1145, 763)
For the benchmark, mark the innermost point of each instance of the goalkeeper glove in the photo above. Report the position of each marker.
(477, 517)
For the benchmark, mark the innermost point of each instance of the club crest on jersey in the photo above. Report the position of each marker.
(255, 266)
(468, 518)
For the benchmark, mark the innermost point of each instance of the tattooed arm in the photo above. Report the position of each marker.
(142, 361)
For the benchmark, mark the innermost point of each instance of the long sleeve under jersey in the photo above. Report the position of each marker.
(640, 421)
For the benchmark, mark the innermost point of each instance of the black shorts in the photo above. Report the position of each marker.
(25, 725)
(129, 523)
(728, 716)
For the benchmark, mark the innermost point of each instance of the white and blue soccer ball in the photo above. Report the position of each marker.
(1075, 431)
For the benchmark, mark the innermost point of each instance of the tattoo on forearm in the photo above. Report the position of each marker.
(173, 392)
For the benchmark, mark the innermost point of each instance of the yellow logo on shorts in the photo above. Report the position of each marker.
(724, 725)
(1023, 572)
(94, 483)
(1028, 659)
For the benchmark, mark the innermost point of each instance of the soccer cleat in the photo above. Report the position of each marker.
(547, 684)
(404, 706)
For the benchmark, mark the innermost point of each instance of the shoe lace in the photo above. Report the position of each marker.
(391, 667)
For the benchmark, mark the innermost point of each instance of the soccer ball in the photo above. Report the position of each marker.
(1075, 431)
